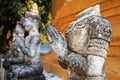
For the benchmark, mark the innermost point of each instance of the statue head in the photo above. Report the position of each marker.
(30, 23)
(32, 18)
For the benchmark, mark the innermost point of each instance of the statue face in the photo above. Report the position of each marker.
(28, 23)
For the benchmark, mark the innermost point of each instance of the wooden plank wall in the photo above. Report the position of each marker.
(65, 11)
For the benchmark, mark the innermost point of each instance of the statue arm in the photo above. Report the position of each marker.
(26, 45)
(32, 43)
(20, 42)
(76, 63)
(91, 65)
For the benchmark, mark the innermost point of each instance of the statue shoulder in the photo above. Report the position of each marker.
(101, 28)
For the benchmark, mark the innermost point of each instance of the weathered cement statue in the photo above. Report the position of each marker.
(84, 48)
(23, 63)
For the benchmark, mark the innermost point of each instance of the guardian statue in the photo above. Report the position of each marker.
(84, 47)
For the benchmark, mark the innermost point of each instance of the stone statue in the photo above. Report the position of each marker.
(23, 62)
(84, 47)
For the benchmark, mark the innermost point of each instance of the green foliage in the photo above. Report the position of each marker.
(43, 38)
(27, 6)
(8, 11)
(13, 10)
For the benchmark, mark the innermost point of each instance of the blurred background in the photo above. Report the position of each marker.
(60, 13)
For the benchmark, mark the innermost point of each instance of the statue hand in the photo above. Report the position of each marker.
(57, 41)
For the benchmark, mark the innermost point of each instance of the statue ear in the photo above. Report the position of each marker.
(94, 10)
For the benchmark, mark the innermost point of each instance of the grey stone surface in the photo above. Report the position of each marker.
(84, 47)
(23, 62)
